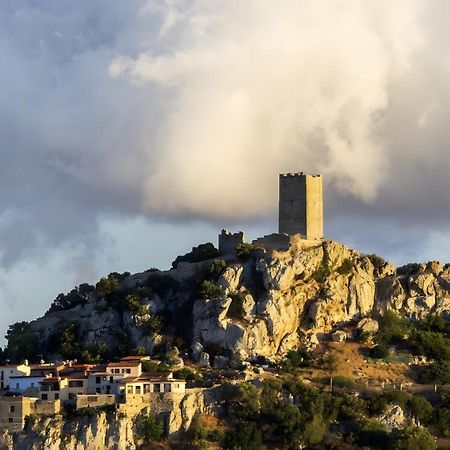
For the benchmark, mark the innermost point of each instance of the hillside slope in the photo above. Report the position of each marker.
(261, 304)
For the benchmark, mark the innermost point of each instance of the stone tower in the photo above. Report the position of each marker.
(301, 207)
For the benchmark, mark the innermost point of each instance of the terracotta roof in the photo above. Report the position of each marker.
(124, 364)
(135, 358)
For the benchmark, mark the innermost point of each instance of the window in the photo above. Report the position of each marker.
(129, 389)
(138, 389)
(56, 396)
(97, 380)
(12, 409)
(157, 388)
(111, 379)
(116, 370)
(128, 370)
(44, 396)
(10, 419)
(147, 388)
(167, 387)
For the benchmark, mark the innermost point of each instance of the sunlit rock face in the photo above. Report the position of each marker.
(267, 304)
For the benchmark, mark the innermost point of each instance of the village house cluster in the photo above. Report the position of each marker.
(43, 389)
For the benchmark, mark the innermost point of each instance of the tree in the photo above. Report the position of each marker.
(209, 290)
(244, 435)
(199, 253)
(151, 429)
(413, 438)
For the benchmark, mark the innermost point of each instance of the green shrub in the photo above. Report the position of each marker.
(244, 250)
(377, 261)
(217, 267)
(298, 358)
(343, 382)
(380, 351)
(392, 329)
(187, 374)
(346, 267)
(436, 372)
(77, 296)
(199, 253)
(321, 273)
(107, 285)
(430, 344)
(412, 438)
(151, 429)
(209, 290)
(133, 302)
(152, 324)
(244, 435)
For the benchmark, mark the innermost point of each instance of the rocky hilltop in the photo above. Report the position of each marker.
(230, 308)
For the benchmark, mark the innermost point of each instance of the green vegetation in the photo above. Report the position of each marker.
(430, 344)
(377, 261)
(393, 329)
(412, 438)
(209, 290)
(108, 285)
(288, 414)
(321, 273)
(152, 324)
(151, 429)
(22, 343)
(243, 251)
(77, 296)
(346, 267)
(199, 253)
(217, 267)
(436, 372)
(343, 382)
(380, 351)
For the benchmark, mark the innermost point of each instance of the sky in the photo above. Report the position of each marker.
(132, 130)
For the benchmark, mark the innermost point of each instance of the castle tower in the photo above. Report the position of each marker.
(301, 207)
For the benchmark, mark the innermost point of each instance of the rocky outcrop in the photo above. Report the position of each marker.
(113, 430)
(272, 302)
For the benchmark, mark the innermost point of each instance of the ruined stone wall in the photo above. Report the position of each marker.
(46, 408)
(95, 400)
(228, 241)
(274, 241)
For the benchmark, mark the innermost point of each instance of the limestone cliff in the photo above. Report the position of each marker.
(268, 304)
(111, 430)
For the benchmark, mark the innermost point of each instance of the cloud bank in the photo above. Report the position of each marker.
(173, 110)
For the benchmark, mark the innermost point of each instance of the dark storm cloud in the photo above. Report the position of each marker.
(174, 109)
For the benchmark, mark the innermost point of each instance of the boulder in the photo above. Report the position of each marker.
(394, 418)
(221, 362)
(203, 359)
(339, 336)
(367, 326)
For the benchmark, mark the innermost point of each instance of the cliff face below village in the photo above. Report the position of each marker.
(112, 430)
(263, 304)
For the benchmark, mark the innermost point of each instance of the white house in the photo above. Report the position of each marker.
(6, 372)
(104, 382)
(20, 384)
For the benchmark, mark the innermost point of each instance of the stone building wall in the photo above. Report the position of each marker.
(300, 205)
